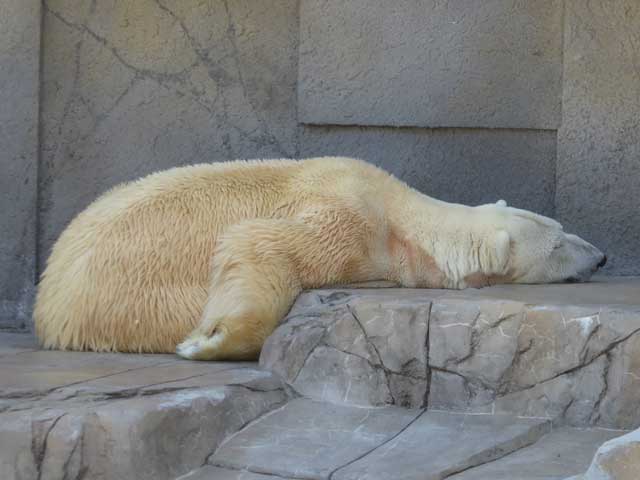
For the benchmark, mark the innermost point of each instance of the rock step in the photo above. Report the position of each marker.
(558, 455)
(306, 439)
(116, 416)
(557, 352)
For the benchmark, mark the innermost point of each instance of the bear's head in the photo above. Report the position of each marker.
(524, 247)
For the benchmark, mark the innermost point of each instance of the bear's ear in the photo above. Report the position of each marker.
(501, 203)
(501, 250)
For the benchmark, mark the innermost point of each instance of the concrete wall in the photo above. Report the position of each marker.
(454, 63)
(19, 67)
(598, 188)
(534, 102)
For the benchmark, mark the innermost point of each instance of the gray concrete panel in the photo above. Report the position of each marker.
(19, 76)
(442, 63)
(598, 185)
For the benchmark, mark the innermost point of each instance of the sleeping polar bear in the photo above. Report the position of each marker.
(222, 251)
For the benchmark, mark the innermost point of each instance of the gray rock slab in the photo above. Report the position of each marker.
(452, 164)
(598, 142)
(309, 439)
(578, 364)
(434, 64)
(557, 455)
(557, 351)
(19, 97)
(439, 444)
(144, 417)
(359, 352)
(37, 372)
(617, 459)
(128, 91)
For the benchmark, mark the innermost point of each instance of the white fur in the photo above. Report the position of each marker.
(223, 250)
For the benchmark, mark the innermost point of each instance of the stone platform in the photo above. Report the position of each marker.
(568, 353)
(501, 383)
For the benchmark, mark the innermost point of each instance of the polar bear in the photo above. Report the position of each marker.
(222, 250)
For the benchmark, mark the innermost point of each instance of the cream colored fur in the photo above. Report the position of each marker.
(221, 251)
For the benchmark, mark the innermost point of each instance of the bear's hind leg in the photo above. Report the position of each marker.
(253, 286)
(261, 265)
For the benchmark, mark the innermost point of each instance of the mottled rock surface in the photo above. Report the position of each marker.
(440, 444)
(559, 454)
(481, 361)
(573, 357)
(309, 439)
(318, 440)
(618, 459)
(341, 349)
(113, 416)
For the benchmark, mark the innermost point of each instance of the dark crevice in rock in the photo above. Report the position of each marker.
(377, 352)
(596, 414)
(473, 343)
(425, 401)
(306, 359)
(255, 389)
(566, 408)
(39, 445)
(505, 390)
(585, 347)
(364, 333)
(333, 297)
(65, 467)
(374, 366)
(467, 381)
(390, 439)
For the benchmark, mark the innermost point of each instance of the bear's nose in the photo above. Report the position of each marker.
(603, 262)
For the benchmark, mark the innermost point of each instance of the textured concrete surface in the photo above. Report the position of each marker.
(130, 88)
(471, 166)
(567, 352)
(431, 64)
(556, 456)
(19, 77)
(599, 142)
(112, 416)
